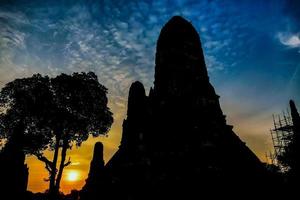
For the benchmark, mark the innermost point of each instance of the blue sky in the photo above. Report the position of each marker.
(251, 47)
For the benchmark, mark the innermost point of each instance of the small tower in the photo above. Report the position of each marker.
(133, 126)
(13, 170)
(295, 118)
(97, 164)
(295, 144)
(96, 178)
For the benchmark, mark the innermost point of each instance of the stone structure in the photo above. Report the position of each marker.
(96, 178)
(295, 118)
(294, 149)
(175, 141)
(13, 171)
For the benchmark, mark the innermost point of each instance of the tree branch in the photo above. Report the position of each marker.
(44, 159)
(47, 162)
(68, 163)
(48, 168)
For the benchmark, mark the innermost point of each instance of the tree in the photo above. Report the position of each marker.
(22, 104)
(81, 110)
(74, 108)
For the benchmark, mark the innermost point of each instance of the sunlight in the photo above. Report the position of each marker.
(72, 175)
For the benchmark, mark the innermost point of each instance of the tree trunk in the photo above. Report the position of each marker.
(62, 164)
(52, 190)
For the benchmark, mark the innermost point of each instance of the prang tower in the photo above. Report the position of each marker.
(175, 141)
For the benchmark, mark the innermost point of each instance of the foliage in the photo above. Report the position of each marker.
(81, 106)
(24, 107)
(42, 112)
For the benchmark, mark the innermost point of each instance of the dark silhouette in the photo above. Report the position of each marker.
(175, 142)
(22, 105)
(80, 110)
(42, 112)
(97, 177)
(13, 171)
(291, 156)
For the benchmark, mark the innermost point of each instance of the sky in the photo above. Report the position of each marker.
(251, 48)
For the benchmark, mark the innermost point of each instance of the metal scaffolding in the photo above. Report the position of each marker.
(281, 134)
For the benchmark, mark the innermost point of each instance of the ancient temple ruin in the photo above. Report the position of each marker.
(175, 141)
(13, 171)
(97, 177)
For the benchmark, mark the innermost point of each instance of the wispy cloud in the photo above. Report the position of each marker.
(289, 40)
(117, 40)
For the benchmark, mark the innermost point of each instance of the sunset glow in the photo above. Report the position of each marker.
(251, 50)
(72, 175)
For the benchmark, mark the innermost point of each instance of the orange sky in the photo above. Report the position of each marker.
(80, 158)
(253, 57)
(253, 131)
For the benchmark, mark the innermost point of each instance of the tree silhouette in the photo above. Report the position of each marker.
(55, 113)
(22, 104)
(81, 110)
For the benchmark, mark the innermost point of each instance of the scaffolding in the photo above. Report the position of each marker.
(280, 134)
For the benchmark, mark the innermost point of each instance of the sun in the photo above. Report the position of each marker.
(72, 175)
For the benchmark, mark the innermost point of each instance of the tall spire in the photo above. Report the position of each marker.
(136, 112)
(295, 118)
(178, 134)
(294, 111)
(136, 99)
(179, 57)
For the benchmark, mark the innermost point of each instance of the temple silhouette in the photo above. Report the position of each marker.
(13, 171)
(175, 142)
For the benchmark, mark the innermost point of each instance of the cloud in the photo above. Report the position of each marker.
(288, 33)
(213, 64)
(289, 40)
(117, 40)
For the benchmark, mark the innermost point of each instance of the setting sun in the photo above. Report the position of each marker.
(121, 100)
(72, 175)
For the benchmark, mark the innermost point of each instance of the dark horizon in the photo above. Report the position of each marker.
(251, 51)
